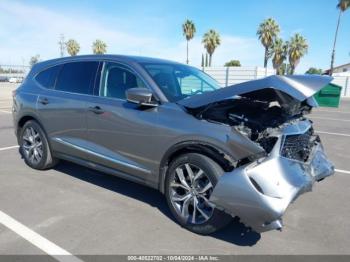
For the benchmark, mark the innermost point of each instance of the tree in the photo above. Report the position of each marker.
(343, 5)
(211, 41)
(73, 47)
(298, 47)
(267, 32)
(206, 60)
(99, 47)
(188, 29)
(33, 60)
(202, 63)
(314, 71)
(233, 63)
(279, 51)
(284, 69)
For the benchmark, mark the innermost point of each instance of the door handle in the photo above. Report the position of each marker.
(96, 109)
(43, 101)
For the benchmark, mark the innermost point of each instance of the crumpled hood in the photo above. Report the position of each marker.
(300, 87)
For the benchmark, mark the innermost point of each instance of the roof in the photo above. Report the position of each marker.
(126, 58)
(348, 64)
(336, 67)
(121, 58)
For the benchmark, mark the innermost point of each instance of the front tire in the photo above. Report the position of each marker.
(190, 181)
(34, 147)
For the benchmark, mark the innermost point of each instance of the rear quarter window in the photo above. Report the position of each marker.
(47, 78)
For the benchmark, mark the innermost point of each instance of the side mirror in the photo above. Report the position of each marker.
(141, 96)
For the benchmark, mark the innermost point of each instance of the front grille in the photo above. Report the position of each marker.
(298, 147)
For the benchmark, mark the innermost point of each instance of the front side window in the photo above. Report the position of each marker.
(77, 77)
(180, 81)
(47, 78)
(116, 79)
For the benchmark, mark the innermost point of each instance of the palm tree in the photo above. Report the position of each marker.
(298, 47)
(188, 29)
(279, 50)
(267, 32)
(343, 5)
(99, 47)
(211, 41)
(73, 47)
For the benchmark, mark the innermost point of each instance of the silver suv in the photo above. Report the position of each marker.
(245, 150)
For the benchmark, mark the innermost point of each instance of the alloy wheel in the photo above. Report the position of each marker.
(190, 190)
(32, 145)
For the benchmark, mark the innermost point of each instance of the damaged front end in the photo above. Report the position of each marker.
(270, 113)
(259, 192)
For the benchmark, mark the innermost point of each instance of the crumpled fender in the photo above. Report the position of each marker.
(260, 192)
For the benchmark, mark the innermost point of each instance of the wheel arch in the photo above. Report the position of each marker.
(24, 119)
(209, 150)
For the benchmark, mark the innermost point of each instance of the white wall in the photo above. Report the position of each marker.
(342, 69)
(234, 75)
(344, 82)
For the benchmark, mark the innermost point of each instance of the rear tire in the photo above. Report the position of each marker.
(190, 181)
(34, 147)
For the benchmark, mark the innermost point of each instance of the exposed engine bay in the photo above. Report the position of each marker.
(269, 112)
(256, 114)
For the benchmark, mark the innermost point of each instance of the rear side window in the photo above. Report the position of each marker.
(77, 77)
(47, 78)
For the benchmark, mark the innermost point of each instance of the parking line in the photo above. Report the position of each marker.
(328, 118)
(9, 147)
(37, 240)
(330, 133)
(342, 171)
(5, 111)
(342, 112)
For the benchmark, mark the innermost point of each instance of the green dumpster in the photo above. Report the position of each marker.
(329, 96)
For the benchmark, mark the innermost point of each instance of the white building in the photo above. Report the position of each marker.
(342, 70)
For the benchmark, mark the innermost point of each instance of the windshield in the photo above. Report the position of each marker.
(180, 81)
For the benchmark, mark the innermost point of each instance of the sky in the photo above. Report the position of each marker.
(153, 28)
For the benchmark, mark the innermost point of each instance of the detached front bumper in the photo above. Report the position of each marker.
(260, 192)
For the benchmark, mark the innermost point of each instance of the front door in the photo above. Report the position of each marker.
(122, 133)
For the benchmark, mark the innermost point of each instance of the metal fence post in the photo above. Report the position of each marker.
(226, 77)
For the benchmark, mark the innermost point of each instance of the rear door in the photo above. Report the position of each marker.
(122, 133)
(62, 105)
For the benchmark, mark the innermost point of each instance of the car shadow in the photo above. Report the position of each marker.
(236, 233)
